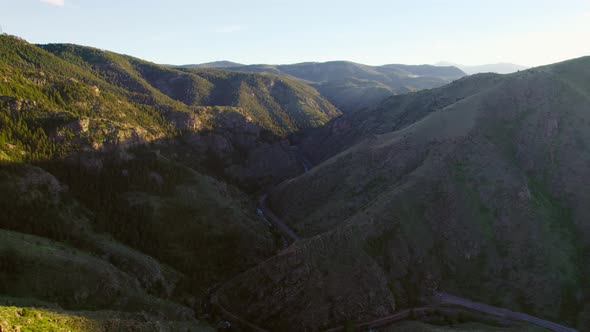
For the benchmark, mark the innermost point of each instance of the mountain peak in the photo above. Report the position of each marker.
(214, 64)
(498, 68)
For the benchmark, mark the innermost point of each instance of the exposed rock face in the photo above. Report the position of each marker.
(35, 180)
(124, 138)
(184, 121)
(95, 90)
(80, 126)
(234, 124)
(17, 104)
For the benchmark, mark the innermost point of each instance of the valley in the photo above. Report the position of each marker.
(309, 197)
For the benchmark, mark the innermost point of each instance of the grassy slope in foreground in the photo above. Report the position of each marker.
(22, 318)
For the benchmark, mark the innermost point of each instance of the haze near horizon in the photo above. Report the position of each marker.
(528, 33)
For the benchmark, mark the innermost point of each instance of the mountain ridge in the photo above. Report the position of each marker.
(352, 86)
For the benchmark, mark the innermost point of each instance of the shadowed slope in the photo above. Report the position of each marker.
(478, 191)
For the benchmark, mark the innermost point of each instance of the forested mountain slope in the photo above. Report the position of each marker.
(352, 86)
(105, 177)
(478, 188)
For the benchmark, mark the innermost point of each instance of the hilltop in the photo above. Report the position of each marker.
(215, 64)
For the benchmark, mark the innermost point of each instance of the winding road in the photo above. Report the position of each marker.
(268, 215)
(444, 298)
(491, 310)
(288, 235)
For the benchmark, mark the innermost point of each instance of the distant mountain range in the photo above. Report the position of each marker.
(351, 86)
(498, 68)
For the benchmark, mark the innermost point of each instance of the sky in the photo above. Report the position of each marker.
(374, 32)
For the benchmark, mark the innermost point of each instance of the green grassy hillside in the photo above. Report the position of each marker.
(476, 188)
(15, 316)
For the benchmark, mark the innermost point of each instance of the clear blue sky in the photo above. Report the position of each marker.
(528, 32)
